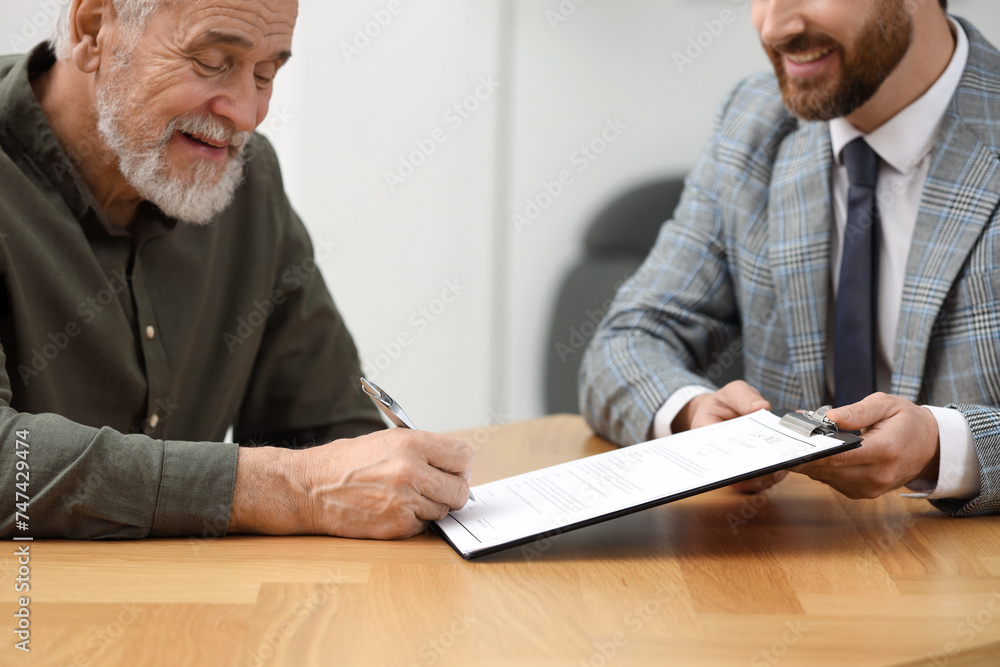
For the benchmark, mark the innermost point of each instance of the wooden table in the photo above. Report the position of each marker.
(799, 576)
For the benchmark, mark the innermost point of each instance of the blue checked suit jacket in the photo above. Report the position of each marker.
(744, 265)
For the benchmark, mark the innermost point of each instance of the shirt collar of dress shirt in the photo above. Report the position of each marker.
(25, 129)
(906, 138)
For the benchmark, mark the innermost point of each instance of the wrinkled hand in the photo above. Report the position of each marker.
(385, 485)
(901, 444)
(734, 400)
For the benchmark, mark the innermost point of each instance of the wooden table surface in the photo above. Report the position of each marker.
(798, 576)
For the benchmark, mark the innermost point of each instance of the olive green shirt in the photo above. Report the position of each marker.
(126, 355)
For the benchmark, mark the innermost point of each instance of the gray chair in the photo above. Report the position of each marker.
(617, 242)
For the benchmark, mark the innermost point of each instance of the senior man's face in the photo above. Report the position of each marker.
(831, 56)
(179, 106)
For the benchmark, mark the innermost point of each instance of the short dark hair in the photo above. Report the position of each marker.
(944, 4)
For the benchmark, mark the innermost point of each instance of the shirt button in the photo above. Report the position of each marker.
(150, 332)
(154, 420)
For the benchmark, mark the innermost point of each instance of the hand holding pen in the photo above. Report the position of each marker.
(392, 410)
(387, 484)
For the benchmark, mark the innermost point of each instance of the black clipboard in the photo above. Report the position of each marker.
(806, 424)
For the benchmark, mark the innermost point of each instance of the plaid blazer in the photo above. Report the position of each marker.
(744, 266)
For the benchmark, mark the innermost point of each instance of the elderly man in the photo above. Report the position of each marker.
(156, 287)
(844, 221)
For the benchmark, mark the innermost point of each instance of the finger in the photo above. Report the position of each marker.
(836, 465)
(854, 482)
(428, 510)
(444, 488)
(448, 454)
(863, 414)
(734, 400)
(742, 398)
(761, 483)
(414, 526)
(866, 454)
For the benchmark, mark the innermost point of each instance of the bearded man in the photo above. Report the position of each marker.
(841, 229)
(156, 288)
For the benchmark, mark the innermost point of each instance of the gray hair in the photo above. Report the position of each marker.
(133, 14)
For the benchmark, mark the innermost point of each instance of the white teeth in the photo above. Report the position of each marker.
(803, 58)
(208, 142)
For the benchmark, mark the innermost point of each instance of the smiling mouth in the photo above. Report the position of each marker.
(211, 143)
(808, 56)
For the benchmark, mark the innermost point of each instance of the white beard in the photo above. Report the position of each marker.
(194, 197)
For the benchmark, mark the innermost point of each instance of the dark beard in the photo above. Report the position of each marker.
(882, 45)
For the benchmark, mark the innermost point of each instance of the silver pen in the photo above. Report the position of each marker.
(391, 409)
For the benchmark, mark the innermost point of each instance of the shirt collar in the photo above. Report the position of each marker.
(905, 139)
(26, 133)
(25, 130)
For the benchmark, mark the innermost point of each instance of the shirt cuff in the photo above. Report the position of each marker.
(958, 474)
(196, 489)
(668, 411)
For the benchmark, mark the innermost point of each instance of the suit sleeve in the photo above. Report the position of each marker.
(674, 316)
(985, 424)
(59, 478)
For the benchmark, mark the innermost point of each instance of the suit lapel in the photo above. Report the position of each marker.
(801, 217)
(960, 196)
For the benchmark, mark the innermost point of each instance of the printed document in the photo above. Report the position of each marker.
(526, 507)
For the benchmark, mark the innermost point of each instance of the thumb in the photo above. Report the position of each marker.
(857, 416)
(742, 398)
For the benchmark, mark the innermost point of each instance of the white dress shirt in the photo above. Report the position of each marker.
(904, 145)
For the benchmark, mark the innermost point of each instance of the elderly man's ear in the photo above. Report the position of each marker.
(90, 29)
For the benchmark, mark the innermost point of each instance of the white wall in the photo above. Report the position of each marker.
(339, 123)
(608, 60)
(401, 247)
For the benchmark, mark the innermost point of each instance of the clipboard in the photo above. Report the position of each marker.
(524, 508)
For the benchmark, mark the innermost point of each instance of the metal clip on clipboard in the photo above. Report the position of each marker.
(810, 423)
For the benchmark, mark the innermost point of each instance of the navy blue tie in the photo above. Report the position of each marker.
(856, 310)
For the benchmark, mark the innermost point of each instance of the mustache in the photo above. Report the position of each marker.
(207, 126)
(804, 42)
